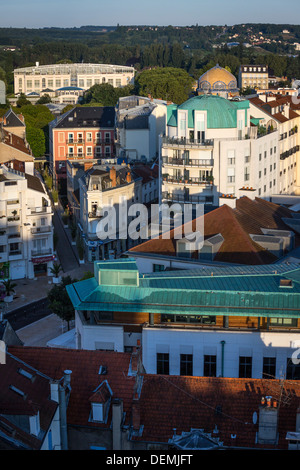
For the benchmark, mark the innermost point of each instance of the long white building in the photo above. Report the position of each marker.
(53, 77)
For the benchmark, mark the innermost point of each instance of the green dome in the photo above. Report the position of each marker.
(221, 113)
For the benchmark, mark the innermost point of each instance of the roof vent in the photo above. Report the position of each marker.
(102, 370)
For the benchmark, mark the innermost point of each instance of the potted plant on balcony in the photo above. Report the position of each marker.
(55, 271)
(9, 290)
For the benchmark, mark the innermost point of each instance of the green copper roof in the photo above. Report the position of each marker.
(221, 113)
(254, 291)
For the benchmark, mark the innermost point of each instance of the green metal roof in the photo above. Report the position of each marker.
(221, 113)
(254, 291)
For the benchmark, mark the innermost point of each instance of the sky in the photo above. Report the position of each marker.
(76, 13)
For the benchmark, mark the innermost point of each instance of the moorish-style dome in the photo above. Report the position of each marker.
(217, 80)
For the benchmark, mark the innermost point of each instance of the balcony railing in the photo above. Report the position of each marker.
(75, 141)
(103, 141)
(187, 142)
(44, 229)
(41, 252)
(187, 162)
(188, 181)
(186, 198)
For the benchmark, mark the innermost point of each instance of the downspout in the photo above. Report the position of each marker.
(222, 358)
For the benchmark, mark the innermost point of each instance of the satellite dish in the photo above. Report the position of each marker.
(254, 417)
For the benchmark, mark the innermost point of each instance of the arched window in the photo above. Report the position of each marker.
(219, 86)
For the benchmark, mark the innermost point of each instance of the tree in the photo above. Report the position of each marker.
(23, 101)
(166, 83)
(36, 140)
(59, 300)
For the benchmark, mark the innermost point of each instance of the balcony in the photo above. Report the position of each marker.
(103, 141)
(39, 230)
(187, 162)
(185, 198)
(15, 255)
(183, 142)
(41, 252)
(40, 210)
(75, 141)
(13, 220)
(75, 156)
(188, 181)
(14, 237)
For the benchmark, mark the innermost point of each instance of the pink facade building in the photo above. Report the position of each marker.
(85, 134)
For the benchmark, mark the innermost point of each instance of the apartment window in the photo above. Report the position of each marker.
(259, 174)
(29, 84)
(230, 179)
(259, 157)
(292, 370)
(89, 151)
(265, 154)
(284, 322)
(13, 247)
(158, 267)
(231, 161)
(259, 192)
(186, 364)
(265, 171)
(58, 83)
(118, 82)
(245, 366)
(89, 137)
(265, 188)
(247, 174)
(89, 83)
(162, 363)
(210, 366)
(70, 138)
(269, 367)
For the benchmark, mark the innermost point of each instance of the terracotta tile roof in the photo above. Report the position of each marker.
(19, 395)
(235, 225)
(176, 402)
(85, 377)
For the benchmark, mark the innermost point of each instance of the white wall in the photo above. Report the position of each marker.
(240, 343)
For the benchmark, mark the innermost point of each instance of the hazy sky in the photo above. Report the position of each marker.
(69, 13)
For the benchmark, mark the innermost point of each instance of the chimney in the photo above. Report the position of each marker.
(268, 421)
(247, 191)
(128, 177)
(117, 418)
(67, 378)
(113, 176)
(136, 418)
(228, 199)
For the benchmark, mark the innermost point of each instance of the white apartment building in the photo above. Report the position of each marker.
(139, 122)
(53, 77)
(26, 232)
(279, 112)
(213, 148)
(100, 188)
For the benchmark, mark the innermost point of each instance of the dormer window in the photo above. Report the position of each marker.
(100, 403)
(34, 423)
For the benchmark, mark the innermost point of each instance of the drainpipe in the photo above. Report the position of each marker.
(222, 358)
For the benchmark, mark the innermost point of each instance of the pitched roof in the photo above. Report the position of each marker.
(235, 225)
(21, 395)
(85, 377)
(87, 117)
(210, 403)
